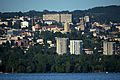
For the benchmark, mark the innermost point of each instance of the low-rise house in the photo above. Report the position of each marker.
(52, 28)
(88, 51)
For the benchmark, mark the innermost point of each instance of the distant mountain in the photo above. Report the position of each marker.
(100, 14)
(105, 14)
(113, 9)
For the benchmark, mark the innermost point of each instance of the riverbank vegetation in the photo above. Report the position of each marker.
(35, 60)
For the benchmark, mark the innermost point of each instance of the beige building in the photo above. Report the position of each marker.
(81, 24)
(66, 27)
(55, 17)
(66, 18)
(53, 28)
(108, 48)
(81, 27)
(61, 45)
(58, 17)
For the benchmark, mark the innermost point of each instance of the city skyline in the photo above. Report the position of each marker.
(39, 5)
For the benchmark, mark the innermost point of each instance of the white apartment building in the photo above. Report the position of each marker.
(108, 48)
(24, 24)
(76, 47)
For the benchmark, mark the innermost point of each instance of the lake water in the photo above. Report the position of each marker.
(61, 76)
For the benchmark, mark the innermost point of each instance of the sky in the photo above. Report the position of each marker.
(52, 5)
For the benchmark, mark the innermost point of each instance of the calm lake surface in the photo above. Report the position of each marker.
(61, 76)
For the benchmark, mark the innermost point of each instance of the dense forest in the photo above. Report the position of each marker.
(36, 60)
(99, 14)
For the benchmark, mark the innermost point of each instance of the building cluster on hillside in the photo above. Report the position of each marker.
(19, 31)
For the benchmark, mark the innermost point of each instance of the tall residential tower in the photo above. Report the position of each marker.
(108, 48)
(76, 46)
(61, 45)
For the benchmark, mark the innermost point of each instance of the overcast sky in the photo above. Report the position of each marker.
(54, 5)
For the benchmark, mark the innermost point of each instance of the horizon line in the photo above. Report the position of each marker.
(58, 10)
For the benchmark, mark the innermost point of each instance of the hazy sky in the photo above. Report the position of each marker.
(56, 5)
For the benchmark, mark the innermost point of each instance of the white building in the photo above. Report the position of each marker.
(61, 45)
(88, 51)
(49, 22)
(108, 48)
(21, 18)
(86, 19)
(5, 23)
(76, 46)
(24, 24)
